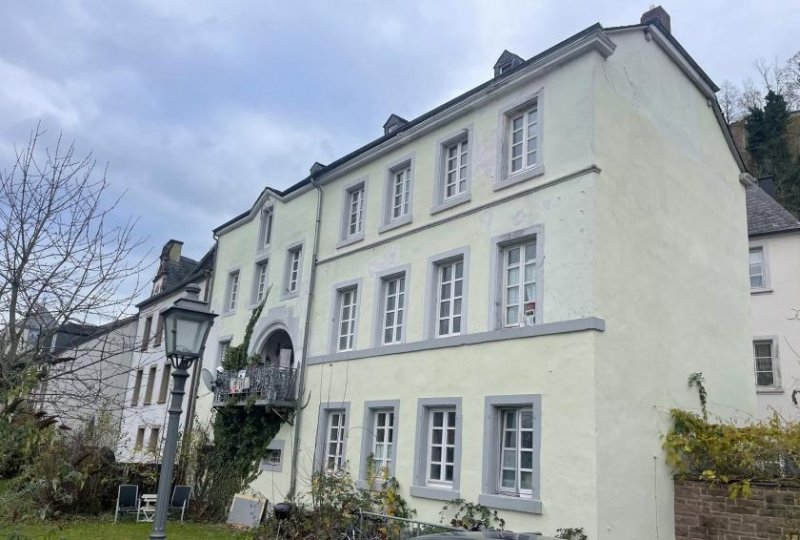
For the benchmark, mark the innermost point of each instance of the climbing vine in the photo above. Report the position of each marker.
(697, 380)
(241, 435)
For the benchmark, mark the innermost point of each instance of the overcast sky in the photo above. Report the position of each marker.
(196, 106)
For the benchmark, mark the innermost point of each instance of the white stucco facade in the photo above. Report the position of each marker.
(637, 215)
(776, 323)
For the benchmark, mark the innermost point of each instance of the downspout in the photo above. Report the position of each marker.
(298, 408)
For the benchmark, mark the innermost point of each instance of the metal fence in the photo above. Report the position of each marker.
(371, 526)
(260, 385)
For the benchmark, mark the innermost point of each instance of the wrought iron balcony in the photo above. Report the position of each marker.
(256, 385)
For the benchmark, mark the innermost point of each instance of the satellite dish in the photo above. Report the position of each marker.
(208, 379)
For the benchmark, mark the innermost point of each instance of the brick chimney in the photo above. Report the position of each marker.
(657, 14)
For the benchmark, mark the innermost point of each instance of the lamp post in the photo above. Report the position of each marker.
(186, 326)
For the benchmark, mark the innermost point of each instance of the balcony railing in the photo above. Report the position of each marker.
(256, 385)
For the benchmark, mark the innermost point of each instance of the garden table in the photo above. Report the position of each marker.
(147, 510)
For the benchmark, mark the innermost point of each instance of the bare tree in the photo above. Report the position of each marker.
(66, 255)
(730, 102)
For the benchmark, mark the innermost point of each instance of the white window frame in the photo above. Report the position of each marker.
(275, 447)
(518, 431)
(354, 207)
(404, 167)
(293, 271)
(394, 306)
(265, 227)
(222, 350)
(422, 485)
(506, 175)
(432, 294)
(346, 318)
(447, 277)
(368, 441)
(522, 266)
(322, 452)
(260, 281)
(776, 374)
(444, 445)
(460, 163)
(497, 275)
(765, 283)
(233, 287)
(493, 493)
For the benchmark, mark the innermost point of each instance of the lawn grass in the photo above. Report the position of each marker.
(124, 530)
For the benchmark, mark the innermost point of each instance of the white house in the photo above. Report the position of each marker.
(148, 382)
(775, 303)
(501, 299)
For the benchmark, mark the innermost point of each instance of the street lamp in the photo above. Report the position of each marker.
(186, 326)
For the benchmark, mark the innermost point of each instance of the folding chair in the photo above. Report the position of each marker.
(127, 500)
(180, 499)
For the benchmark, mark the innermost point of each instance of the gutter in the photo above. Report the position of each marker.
(298, 408)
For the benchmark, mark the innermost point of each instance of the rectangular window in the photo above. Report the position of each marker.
(449, 297)
(153, 443)
(511, 450)
(233, 291)
(455, 169)
(293, 270)
(265, 234)
(383, 442)
(273, 457)
(401, 192)
(159, 332)
(441, 445)
(765, 363)
(334, 440)
(516, 452)
(346, 319)
(223, 351)
(137, 387)
(523, 139)
(757, 274)
(148, 322)
(162, 392)
(139, 439)
(261, 281)
(354, 211)
(394, 305)
(151, 380)
(519, 283)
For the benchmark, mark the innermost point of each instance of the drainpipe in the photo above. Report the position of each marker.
(298, 408)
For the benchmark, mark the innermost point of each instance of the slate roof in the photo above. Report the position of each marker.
(765, 215)
(188, 270)
(177, 271)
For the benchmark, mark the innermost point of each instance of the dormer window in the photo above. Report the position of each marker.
(393, 124)
(506, 62)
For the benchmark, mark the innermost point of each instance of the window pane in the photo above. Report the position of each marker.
(509, 478)
(526, 460)
(526, 480)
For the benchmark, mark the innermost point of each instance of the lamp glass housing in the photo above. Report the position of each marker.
(185, 331)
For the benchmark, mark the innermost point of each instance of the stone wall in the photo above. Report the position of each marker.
(704, 511)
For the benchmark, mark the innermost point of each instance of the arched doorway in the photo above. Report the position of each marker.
(277, 350)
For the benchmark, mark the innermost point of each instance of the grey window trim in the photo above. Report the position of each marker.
(138, 378)
(262, 259)
(387, 223)
(491, 429)
(762, 245)
(777, 386)
(419, 487)
(429, 318)
(227, 298)
(502, 177)
(268, 208)
(338, 288)
(346, 239)
(370, 408)
(497, 243)
(439, 204)
(322, 427)
(285, 293)
(275, 444)
(380, 283)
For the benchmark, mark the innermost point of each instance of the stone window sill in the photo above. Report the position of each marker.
(451, 203)
(351, 240)
(516, 504)
(518, 177)
(760, 291)
(395, 223)
(439, 494)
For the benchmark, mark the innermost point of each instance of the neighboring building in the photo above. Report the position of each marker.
(775, 303)
(86, 382)
(148, 383)
(508, 293)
